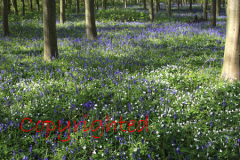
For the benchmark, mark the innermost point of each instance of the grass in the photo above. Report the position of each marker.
(166, 72)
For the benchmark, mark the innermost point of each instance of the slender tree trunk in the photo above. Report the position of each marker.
(125, 3)
(30, 4)
(62, 11)
(226, 6)
(5, 18)
(135, 2)
(218, 7)
(49, 30)
(37, 5)
(70, 4)
(151, 14)
(231, 63)
(213, 13)
(96, 4)
(190, 5)
(169, 8)
(112, 3)
(14, 4)
(23, 7)
(183, 2)
(9, 7)
(144, 4)
(104, 4)
(223, 3)
(77, 6)
(205, 9)
(90, 19)
(156, 6)
(177, 4)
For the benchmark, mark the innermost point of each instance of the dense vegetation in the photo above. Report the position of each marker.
(166, 71)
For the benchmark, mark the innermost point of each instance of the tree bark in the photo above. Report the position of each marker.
(144, 4)
(156, 6)
(77, 6)
(5, 17)
(169, 8)
(14, 3)
(62, 11)
(9, 7)
(190, 5)
(205, 9)
(49, 30)
(218, 7)
(213, 13)
(96, 4)
(125, 3)
(223, 3)
(23, 7)
(90, 19)
(30, 4)
(231, 63)
(104, 4)
(151, 14)
(177, 4)
(112, 3)
(37, 5)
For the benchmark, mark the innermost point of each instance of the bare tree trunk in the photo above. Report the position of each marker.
(213, 13)
(125, 3)
(144, 4)
(77, 6)
(183, 2)
(190, 5)
(5, 17)
(104, 4)
(135, 2)
(169, 8)
(23, 7)
(112, 3)
(177, 4)
(151, 14)
(49, 30)
(62, 11)
(14, 4)
(30, 4)
(96, 4)
(223, 3)
(9, 7)
(37, 5)
(218, 7)
(231, 63)
(205, 9)
(156, 6)
(90, 19)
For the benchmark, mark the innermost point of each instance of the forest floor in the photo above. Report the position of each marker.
(166, 73)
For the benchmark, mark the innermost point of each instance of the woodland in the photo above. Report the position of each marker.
(119, 79)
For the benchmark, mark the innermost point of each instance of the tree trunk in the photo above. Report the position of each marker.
(9, 7)
(151, 14)
(23, 7)
(77, 6)
(14, 4)
(49, 30)
(183, 2)
(190, 5)
(135, 2)
(223, 3)
(5, 17)
(205, 9)
(231, 63)
(104, 4)
(112, 3)
(96, 4)
(156, 6)
(125, 3)
(90, 19)
(213, 13)
(218, 7)
(144, 4)
(30, 4)
(169, 8)
(177, 4)
(37, 5)
(226, 6)
(62, 11)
